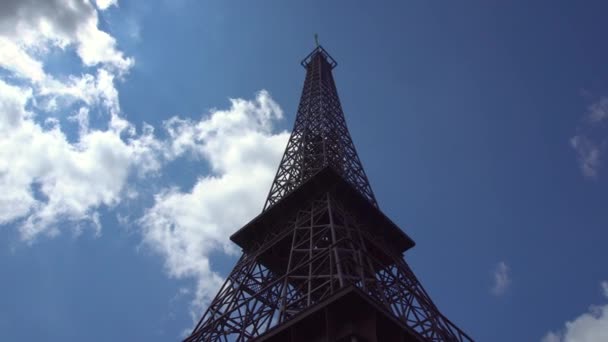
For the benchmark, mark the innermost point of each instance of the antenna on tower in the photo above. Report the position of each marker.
(316, 40)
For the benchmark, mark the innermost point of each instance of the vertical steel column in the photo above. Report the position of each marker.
(334, 241)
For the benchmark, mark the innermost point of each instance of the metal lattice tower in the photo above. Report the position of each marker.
(322, 262)
(320, 137)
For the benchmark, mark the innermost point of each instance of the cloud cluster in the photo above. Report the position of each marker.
(591, 326)
(46, 178)
(243, 153)
(590, 141)
(31, 28)
(52, 176)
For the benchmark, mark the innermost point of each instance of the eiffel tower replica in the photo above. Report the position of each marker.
(322, 262)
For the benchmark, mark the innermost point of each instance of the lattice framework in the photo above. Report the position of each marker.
(329, 249)
(320, 136)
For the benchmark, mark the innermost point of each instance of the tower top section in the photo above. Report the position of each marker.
(320, 138)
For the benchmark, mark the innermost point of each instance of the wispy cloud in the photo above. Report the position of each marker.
(591, 326)
(588, 154)
(502, 278)
(591, 139)
(598, 111)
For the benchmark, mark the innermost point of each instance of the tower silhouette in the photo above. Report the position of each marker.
(322, 262)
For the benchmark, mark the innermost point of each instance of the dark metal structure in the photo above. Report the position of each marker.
(322, 262)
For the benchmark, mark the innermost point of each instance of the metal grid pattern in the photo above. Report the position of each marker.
(320, 136)
(328, 250)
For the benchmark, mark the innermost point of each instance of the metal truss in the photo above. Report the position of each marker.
(320, 233)
(328, 249)
(320, 137)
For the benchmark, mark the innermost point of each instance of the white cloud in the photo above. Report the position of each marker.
(93, 90)
(588, 154)
(44, 177)
(590, 141)
(242, 151)
(598, 111)
(95, 47)
(29, 29)
(15, 59)
(105, 4)
(502, 278)
(591, 326)
(35, 26)
(551, 337)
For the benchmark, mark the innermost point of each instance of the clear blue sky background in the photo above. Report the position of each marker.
(462, 113)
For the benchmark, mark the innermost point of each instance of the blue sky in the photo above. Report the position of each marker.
(135, 137)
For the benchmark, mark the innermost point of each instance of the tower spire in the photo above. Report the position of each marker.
(320, 137)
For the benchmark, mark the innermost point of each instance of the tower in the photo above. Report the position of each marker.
(322, 262)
